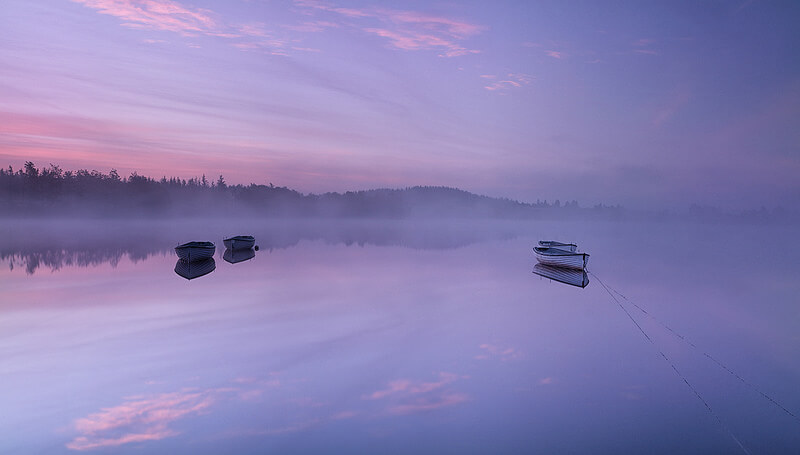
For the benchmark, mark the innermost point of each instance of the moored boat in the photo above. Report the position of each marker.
(195, 251)
(571, 247)
(239, 242)
(195, 269)
(561, 258)
(572, 277)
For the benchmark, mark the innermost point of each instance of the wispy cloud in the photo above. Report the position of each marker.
(312, 26)
(509, 81)
(172, 16)
(429, 403)
(493, 351)
(676, 101)
(405, 30)
(159, 15)
(644, 46)
(556, 54)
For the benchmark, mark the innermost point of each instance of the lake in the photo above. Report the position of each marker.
(399, 337)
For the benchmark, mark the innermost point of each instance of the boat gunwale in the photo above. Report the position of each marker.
(202, 245)
(556, 252)
(244, 238)
(554, 243)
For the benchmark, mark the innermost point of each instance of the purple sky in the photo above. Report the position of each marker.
(643, 104)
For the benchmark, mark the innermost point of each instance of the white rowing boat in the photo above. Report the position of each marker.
(561, 258)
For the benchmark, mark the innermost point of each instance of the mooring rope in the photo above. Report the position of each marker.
(674, 368)
(709, 356)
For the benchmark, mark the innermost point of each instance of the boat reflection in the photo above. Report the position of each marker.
(234, 256)
(572, 277)
(196, 269)
(32, 247)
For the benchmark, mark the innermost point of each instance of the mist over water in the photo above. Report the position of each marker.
(404, 336)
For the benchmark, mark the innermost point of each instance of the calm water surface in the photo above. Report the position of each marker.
(398, 338)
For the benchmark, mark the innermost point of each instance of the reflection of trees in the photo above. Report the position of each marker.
(56, 245)
(55, 258)
(53, 245)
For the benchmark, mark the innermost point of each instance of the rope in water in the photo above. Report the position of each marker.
(709, 356)
(674, 368)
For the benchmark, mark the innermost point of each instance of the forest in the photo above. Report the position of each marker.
(52, 191)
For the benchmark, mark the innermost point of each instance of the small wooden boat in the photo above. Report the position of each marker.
(239, 242)
(195, 269)
(571, 247)
(572, 277)
(195, 251)
(561, 258)
(234, 256)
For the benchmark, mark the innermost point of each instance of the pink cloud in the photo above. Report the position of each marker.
(452, 27)
(556, 54)
(406, 30)
(511, 80)
(169, 15)
(306, 49)
(251, 395)
(394, 387)
(156, 14)
(675, 103)
(313, 26)
(642, 46)
(428, 404)
(412, 41)
(344, 415)
(494, 351)
(293, 428)
(255, 30)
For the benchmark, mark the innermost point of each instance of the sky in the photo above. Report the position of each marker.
(644, 104)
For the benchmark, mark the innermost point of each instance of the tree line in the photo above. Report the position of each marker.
(52, 191)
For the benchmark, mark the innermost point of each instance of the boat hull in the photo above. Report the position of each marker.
(195, 251)
(561, 258)
(573, 277)
(236, 256)
(195, 269)
(239, 242)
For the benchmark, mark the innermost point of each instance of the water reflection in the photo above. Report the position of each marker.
(195, 269)
(327, 348)
(139, 419)
(235, 256)
(56, 257)
(56, 245)
(572, 277)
